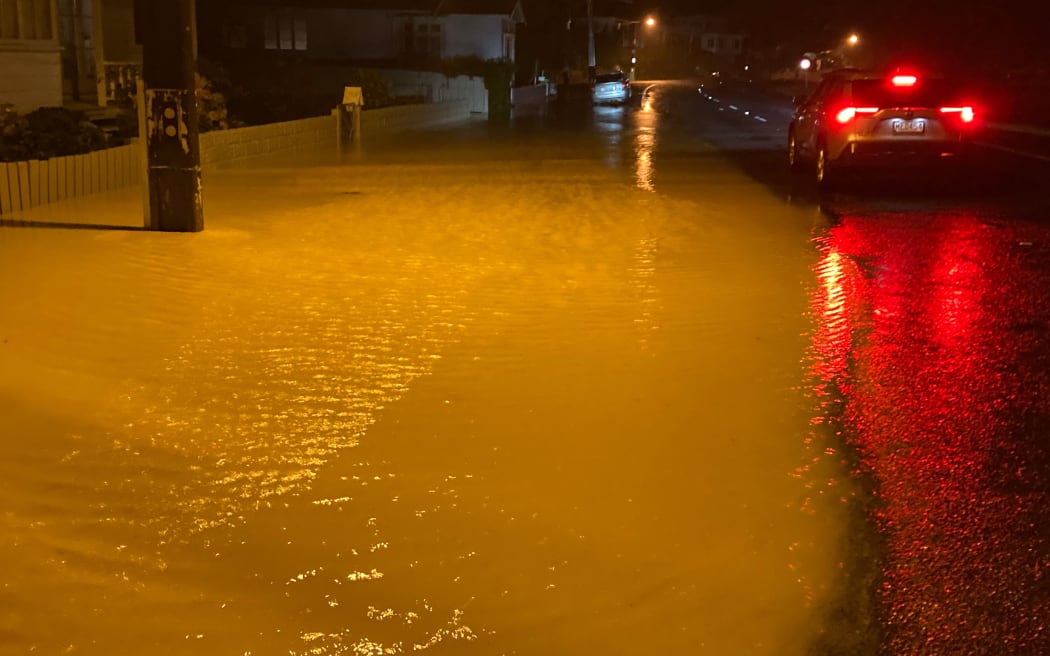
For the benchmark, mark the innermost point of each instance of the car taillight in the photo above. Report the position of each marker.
(849, 113)
(966, 114)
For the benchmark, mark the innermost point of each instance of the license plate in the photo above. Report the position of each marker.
(914, 126)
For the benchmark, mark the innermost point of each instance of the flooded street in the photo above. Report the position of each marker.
(587, 384)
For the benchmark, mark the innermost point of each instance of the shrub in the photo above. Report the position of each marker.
(211, 106)
(271, 91)
(47, 132)
(12, 135)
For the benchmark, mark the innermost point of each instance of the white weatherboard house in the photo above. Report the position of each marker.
(370, 30)
(30, 54)
(55, 52)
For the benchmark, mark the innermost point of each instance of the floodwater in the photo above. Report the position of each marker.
(477, 393)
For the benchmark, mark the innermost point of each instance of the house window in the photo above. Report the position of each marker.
(284, 32)
(736, 45)
(508, 47)
(423, 39)
(237, 36)
(25, 19)
(710, 44)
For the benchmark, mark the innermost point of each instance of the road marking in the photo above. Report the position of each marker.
(1013, 151)
(1020, 129)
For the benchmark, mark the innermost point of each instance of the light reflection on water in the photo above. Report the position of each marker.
(645, 144)
(931, 348)
(479, 418)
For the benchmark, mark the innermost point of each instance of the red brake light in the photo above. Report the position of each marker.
(849, 113)
(966, 114)
(904, 80)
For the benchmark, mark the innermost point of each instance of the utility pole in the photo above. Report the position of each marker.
(77, 58)
(592, 63)
(171, 127)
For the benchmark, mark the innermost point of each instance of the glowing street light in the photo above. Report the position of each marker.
(804, 65)
(649, 22)
(853, 39)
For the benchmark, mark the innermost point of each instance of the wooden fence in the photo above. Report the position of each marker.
(24, 185)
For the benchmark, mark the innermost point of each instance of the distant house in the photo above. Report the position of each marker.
(708, 33)
(362, 30)
(30, 54)
(618, 33)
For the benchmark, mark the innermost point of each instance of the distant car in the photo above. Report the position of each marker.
(611, 88)
(856, 120)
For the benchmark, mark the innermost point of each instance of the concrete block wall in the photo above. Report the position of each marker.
(266, 143)
(436, 87)
(537, 94)
(270, 143)
(389, 121)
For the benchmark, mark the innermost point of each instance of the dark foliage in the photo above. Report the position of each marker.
(269, 91)
(47, 132)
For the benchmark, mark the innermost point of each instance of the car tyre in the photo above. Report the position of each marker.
(824, 172)
(794, 161)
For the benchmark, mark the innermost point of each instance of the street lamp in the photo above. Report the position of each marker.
(850, 50)
(649, 22)
(805, 65)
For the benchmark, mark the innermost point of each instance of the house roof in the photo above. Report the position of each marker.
(486, 7)
(490, 7)
(510, 8)
(378, 5)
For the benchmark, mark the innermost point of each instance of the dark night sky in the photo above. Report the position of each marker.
(976, 33)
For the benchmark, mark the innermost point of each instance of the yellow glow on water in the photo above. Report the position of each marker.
(644, 144)
(381, 427)
(644, 166)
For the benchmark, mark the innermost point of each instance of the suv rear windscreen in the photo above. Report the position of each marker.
(609, 77)
(925, 93)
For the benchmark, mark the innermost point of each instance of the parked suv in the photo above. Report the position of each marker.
(857, 119)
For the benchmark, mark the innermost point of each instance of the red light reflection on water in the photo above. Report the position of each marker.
(924, 337)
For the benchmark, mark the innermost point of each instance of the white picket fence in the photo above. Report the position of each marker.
(25, 185)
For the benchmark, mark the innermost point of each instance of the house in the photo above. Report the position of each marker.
(619, 34)
(30, 54)
(710, 34)
(78, 53)
(102, 58)
(362, 30)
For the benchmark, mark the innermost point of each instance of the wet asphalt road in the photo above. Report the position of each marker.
(931, 359)
(597, 382)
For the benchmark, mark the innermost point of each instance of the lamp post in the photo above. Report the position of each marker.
(649, 22)
(848, 52)
(592, 61)
(804, 65)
